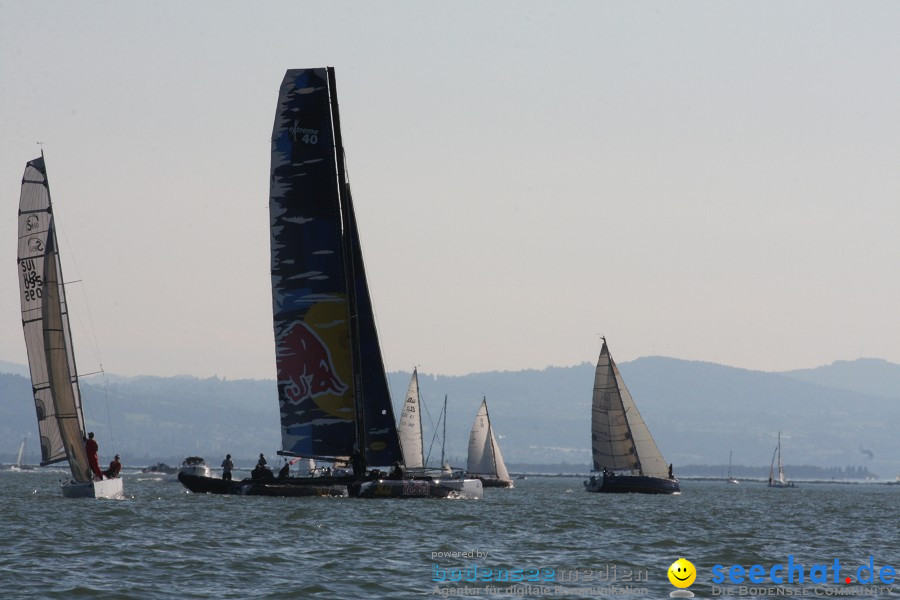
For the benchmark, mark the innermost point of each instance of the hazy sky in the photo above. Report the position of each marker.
(713, 181)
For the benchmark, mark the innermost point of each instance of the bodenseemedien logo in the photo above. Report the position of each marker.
(682, 574)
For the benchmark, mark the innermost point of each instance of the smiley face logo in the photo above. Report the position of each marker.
(682, 573)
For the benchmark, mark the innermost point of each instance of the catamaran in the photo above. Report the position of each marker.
(626, 459)
(48, 338)
(333, 394)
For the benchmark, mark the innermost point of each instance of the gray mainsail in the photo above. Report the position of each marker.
(45, 321)
(620, 440)
(484, 453)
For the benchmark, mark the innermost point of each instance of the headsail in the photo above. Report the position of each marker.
(332, 389)
(484, 452)
(45, 321)
(620, 439)
(410, 430)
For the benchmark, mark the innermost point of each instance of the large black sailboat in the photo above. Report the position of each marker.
(626, 459)
(332, 390)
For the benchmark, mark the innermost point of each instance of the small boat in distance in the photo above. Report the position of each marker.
(48, 339)
(626, 459)
(778, 481)
(195, 465)
(21, 466)
(485, 461)
(731, 478)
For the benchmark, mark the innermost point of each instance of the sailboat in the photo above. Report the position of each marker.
(48, 338)
(778, 481)
(21, 466)
(485, 461)
(410, 433)
(332, 390)
(731, 478)
(626, 458)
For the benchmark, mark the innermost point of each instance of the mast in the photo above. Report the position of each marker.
(419, 410)
(444, 441)
(347, 225)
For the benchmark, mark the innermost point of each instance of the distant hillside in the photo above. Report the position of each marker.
(697, 412)
(872, 376)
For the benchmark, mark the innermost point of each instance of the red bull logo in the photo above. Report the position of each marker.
(305, 367)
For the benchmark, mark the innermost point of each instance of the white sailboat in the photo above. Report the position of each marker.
(731, 478)
(485, 461)
(626, 458)
(779, 481)
(21, 466)
(411, 439)
(48, 338)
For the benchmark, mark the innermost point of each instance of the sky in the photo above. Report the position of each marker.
(714, 181)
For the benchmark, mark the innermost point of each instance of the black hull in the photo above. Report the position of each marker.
(489, 482)
(292, 487)
(632, 484)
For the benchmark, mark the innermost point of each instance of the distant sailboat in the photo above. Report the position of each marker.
(626, 459)
(485, 461)
(333, 395)
(48, 338)
(410, 433)
(778, 481)
(731, 478)
(20, 465)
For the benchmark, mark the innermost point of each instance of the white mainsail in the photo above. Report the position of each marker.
(781, 478)
(21, 454)
(45, 321)
(410, 430)
(620, 438)
(484, 453)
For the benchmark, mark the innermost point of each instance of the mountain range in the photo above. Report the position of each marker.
(843, 414)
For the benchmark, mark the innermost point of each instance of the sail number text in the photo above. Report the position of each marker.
(34, 285)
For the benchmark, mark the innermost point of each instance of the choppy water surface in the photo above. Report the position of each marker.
(165, 542)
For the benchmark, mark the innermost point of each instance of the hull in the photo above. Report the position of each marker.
(632, 484)
(292, 488)
(780, 484)
(491, 482)
(108, 488)
(470, 489)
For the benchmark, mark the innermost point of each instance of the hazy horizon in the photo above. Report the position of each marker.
(706, 181)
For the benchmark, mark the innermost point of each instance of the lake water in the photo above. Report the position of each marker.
(162, 542)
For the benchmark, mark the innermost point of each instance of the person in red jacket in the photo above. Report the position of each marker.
(91, 448)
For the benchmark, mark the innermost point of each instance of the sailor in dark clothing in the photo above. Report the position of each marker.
(285, 471)
(358, 463)
(396, 472)
(671, 476)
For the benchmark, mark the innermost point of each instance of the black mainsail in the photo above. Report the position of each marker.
(332, 388)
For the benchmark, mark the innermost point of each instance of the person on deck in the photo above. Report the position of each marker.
(114, 467)
(227, 468)
(358, 463)
(396, 472)
(285, 471)
(91, 447)
(262, 461)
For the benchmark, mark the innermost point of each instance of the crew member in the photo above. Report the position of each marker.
(227, 467)
(114, 467)
(91, 447)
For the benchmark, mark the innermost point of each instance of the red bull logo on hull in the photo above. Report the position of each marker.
(305, 367)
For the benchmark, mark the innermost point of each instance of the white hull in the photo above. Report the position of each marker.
(196, 470)
(108, 488)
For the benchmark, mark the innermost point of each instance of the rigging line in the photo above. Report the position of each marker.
(433, 438)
